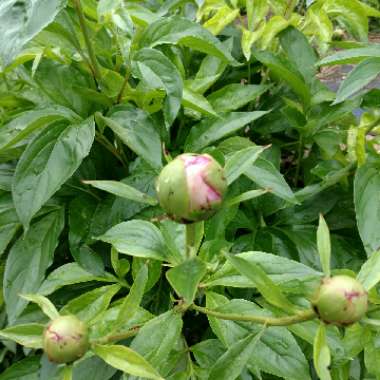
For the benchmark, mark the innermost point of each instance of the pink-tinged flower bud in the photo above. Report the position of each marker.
(191, 187)
(341, 300)
(65, 339)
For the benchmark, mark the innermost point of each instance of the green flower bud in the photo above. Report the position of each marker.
(191, 187)
(65, 339)
(341, 300)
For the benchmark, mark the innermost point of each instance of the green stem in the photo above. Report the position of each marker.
(190, 240)
(121, 93)
(302, 316)
(299, 159)
(117, 337)
(103, 141)
(91, 53)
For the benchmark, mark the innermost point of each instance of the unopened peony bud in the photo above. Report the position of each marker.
(66, 339)
(191, 187)
(341, 300)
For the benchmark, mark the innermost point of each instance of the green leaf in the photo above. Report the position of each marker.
(238, 162)
(321, 354)
(68, 274)
(133, 299)
(288, 274)
(230, 365)
(185, 278)
(351, 55)
(277, 352)
(28, 122)
(351, 14)
(269, 290)
(224, 16)
(137, 130)
(299, 52)
(137, 238)
(369, 274)
(21, 21)
(48, 161)
(210, 70)
(123, 190)
(235, 96)
(44, 303)
(367, 207)
(156, 338)
(197, 102)
(265, 174)
(127, 360)
(324, 245)
(211, 130)
(358, 78)
(29, 335)
(181, 31)
(26, 256)
(154, 68)
(246, 196)
(283, 69)
(89, 306)
(22, 368)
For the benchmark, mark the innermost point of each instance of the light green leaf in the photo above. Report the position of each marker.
(321, 354)
(351, 55)
(369, 274)
(89, 306)
(265, 174)
(27, 254)
(324, 245)
(47, 163)
(21, 21)
(224, 16)
(29, 335)
(185, 278)
(211, 130)
(137, 238)
(299, 52)
(197, 102)
(156, 338)
(123, 190)
(137, 130)
(234, 96)
(269, 290)
(133, 299)
(181, 31)
(153, 67)
(22, 369)
(367, 206)
(29, 121)
(246, 196)
(230, 365)
(358, 78)
(282, 69)
(127, 360)
(44, 303)
(68, 274)
(239, 162)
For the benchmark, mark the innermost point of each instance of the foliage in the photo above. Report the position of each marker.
(97, 96)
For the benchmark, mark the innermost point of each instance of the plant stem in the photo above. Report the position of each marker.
(121, 93)
(91, 53)
(103, 141)
(117, 337)
(302, 316)
(190, 240)
(299, 159)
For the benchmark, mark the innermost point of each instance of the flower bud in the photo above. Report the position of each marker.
(191, 187)
(65, 339)
(341, 300)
